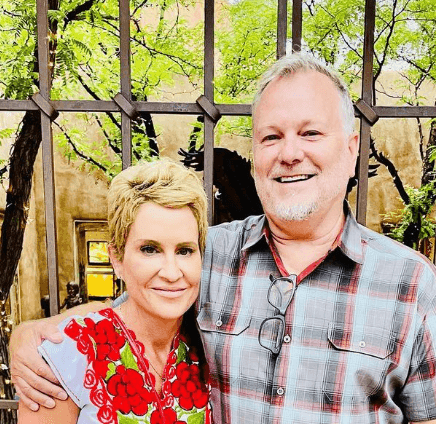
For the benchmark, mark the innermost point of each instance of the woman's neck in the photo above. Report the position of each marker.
(153, 332)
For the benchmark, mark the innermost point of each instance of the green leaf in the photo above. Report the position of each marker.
(111, 370)
(127, 358)
(197, 418)
(123, 419)
(182, 352)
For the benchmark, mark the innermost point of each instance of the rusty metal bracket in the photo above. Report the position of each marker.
(366, 111)
(126, 106)
(209, 108)
(45, 106)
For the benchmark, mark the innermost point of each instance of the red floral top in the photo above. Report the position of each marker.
(111, 381)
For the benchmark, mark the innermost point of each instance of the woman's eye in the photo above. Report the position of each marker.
(185, 251)
(148, 250)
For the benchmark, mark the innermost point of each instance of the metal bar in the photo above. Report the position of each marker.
(193, 108)
(8, 404)
(282, 27)
(365, 128)
(126, 128)
(47, 157)
(209, 58)
(297, 24)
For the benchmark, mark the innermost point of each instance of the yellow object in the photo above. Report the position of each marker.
(101, 285)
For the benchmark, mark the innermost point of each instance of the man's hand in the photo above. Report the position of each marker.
(32, 377)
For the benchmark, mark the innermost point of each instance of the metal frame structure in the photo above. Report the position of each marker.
(364, 109)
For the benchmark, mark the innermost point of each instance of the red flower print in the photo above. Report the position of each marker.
(108, 341)
(169, 414)
(90, 379)
(127, 387)
(106, 415)
(188, 387)
(81, 336)
(98, 397)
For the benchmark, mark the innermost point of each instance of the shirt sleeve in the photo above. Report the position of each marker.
(419, 393)
(68, 364)
(120, 299)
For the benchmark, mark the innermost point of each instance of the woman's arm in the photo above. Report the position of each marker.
(65, 412)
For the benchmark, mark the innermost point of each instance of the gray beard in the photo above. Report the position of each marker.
(298, 212)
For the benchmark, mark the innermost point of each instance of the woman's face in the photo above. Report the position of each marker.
(162, 262)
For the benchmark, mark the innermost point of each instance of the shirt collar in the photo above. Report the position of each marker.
(350, 243)
(257, 232)
(351, 240)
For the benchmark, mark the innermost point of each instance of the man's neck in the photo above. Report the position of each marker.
(301, 243)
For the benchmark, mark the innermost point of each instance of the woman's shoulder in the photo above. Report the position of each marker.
(84, 320)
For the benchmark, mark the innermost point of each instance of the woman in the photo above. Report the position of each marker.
(142, 361)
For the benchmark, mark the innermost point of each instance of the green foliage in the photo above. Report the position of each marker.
(85, 48)
(418, 210)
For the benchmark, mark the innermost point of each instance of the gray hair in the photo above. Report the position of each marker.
(297, 62)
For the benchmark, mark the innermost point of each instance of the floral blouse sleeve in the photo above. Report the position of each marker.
(103, 375)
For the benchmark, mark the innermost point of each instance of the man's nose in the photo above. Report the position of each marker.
(290, 149)
(170, 270)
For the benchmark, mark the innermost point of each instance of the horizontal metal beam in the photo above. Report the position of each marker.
(8, 404)
(110, 106)
(194, 108)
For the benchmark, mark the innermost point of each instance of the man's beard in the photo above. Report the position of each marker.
(298, 212)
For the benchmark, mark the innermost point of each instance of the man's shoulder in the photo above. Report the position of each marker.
(380, 244)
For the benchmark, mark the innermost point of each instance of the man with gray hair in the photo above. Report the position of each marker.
(307, 316)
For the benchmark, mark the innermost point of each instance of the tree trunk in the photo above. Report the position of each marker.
(22, 160)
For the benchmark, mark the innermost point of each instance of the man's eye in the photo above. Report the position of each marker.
(185, 251)
(148, 250)
(271, 137)
(311, 133)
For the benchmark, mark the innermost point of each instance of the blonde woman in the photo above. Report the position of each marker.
(141, 361)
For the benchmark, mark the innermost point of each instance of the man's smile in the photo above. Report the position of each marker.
(294, 178)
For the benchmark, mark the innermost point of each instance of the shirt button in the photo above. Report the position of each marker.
(219, 323)
(280, 391)
(287, 338)
(362, 344)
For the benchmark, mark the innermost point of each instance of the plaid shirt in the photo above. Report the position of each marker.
(359, 343)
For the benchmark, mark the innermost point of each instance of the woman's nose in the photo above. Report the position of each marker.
(170, 269)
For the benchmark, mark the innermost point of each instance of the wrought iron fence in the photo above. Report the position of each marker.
(365, 110)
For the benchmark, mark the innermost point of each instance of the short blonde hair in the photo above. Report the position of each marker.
(163, 182)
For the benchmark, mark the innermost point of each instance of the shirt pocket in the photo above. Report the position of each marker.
(364, 360)
(224, 337)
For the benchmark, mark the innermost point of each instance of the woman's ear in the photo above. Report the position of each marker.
(116, 263)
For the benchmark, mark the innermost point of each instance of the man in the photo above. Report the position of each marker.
(306, 316)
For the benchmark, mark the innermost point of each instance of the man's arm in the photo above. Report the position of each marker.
(32, 377)
(423, 422)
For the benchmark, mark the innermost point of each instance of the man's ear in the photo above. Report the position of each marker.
(116, 263)
(353, 147)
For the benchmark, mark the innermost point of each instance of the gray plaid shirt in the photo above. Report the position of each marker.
(359, 340)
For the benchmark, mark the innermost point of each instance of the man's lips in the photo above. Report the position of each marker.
(294, 178)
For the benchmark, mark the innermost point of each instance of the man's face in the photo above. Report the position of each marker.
(302, 157)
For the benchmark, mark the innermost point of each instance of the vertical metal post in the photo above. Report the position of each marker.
(126, 129)
(365, 127)
(297, 24)
(209, 58)
(47, 157)
(282, 27)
